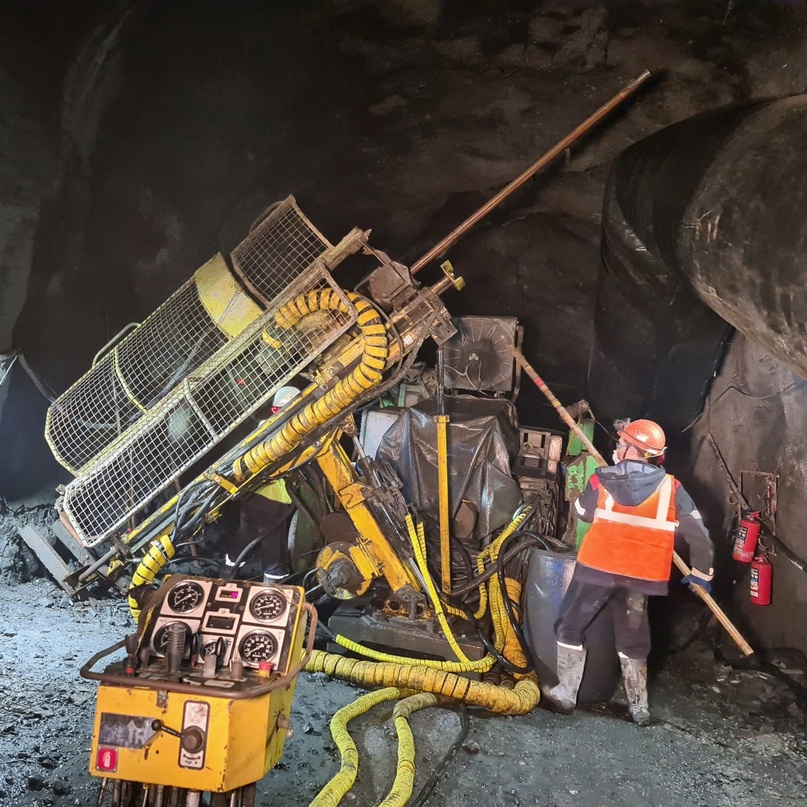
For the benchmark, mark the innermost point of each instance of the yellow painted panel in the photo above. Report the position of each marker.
(224, 298)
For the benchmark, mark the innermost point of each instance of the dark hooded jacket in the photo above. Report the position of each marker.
(630, 482)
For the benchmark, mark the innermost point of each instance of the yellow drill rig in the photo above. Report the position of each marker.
(201, 702)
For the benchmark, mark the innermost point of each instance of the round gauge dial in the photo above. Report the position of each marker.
(257, 646)
(160, 640)
(267, 605)
(185, 597)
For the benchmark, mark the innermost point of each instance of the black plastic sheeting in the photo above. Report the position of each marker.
(483, 439)
(703, 229)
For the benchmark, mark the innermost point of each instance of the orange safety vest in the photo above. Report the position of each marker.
(633, 540)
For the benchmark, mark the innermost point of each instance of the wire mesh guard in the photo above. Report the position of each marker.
(283, 240)
(173, 342)
(204, 408)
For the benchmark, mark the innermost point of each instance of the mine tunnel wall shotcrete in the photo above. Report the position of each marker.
(702, 232)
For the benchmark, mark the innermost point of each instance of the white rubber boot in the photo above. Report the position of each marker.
(571, 664)
(634, 675)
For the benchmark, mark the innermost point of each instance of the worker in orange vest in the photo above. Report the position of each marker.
(636, 512)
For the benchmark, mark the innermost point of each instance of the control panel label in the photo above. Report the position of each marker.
(124, 731)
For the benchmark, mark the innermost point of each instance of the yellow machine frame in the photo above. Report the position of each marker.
(232, 759)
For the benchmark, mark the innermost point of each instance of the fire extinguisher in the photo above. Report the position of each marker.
(761, 577)
(745, 543)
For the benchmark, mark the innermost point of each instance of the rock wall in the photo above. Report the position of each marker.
(753, 421)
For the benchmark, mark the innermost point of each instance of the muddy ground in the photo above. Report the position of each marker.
(719, 737)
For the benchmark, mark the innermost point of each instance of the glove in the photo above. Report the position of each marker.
(696, 578)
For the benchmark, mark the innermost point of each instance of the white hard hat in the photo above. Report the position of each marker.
(283, 396)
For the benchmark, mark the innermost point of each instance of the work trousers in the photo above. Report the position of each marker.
(628, 609)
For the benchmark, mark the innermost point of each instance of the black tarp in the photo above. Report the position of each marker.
(482, 441)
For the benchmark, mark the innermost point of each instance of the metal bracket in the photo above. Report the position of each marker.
(47, 556)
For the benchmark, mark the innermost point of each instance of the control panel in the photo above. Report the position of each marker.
(233, 619)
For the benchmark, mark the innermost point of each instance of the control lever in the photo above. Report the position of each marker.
(158, 725)
(192, 739)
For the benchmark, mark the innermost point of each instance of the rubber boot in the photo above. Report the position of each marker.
(571, 664)
(634, 674)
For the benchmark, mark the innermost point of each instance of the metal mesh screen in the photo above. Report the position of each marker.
(267, 259)
(106, 401)
(179, 337)
(199, 412)
(89, 416)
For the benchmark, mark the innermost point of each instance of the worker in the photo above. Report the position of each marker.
(266, 513)
(636, 512)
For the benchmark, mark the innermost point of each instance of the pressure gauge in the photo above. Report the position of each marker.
(257, 646)
(267, 605)
(185, 597)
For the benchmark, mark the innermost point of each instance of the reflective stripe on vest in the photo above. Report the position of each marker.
(633, 541)
(660, 522)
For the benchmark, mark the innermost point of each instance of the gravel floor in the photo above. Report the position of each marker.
(720, 737)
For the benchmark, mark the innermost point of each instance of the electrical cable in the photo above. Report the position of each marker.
(710, 403)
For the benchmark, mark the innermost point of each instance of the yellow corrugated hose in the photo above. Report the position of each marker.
(481, 665)
(505, 640)
(158, 554)
(366, 375)
(335, 790)
(492, 552)
(404, 782)
(517, 701)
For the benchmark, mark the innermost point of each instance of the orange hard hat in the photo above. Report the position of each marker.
(646, 435)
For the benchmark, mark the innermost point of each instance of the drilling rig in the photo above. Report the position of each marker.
(167, 429)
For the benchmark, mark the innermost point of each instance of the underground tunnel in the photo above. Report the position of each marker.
(278, 172)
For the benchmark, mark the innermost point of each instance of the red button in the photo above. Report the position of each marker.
(107, 760)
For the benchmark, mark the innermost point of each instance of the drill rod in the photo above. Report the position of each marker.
(541, 163)
(719, 613)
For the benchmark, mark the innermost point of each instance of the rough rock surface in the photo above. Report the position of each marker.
(720, 736)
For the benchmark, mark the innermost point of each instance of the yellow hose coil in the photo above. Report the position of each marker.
(158, 554)
(367, 374)
(492, 552)
(418, 538)
(404, 782)
(335, 790)
(481, 665)
(518, 701)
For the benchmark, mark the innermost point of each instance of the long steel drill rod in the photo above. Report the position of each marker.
(541, 163)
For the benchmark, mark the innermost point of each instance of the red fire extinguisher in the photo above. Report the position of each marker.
(745, 543)
(761, 577)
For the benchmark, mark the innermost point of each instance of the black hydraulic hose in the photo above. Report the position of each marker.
(554, 543)
(534, 539)
(231, 573)
(508, 606)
